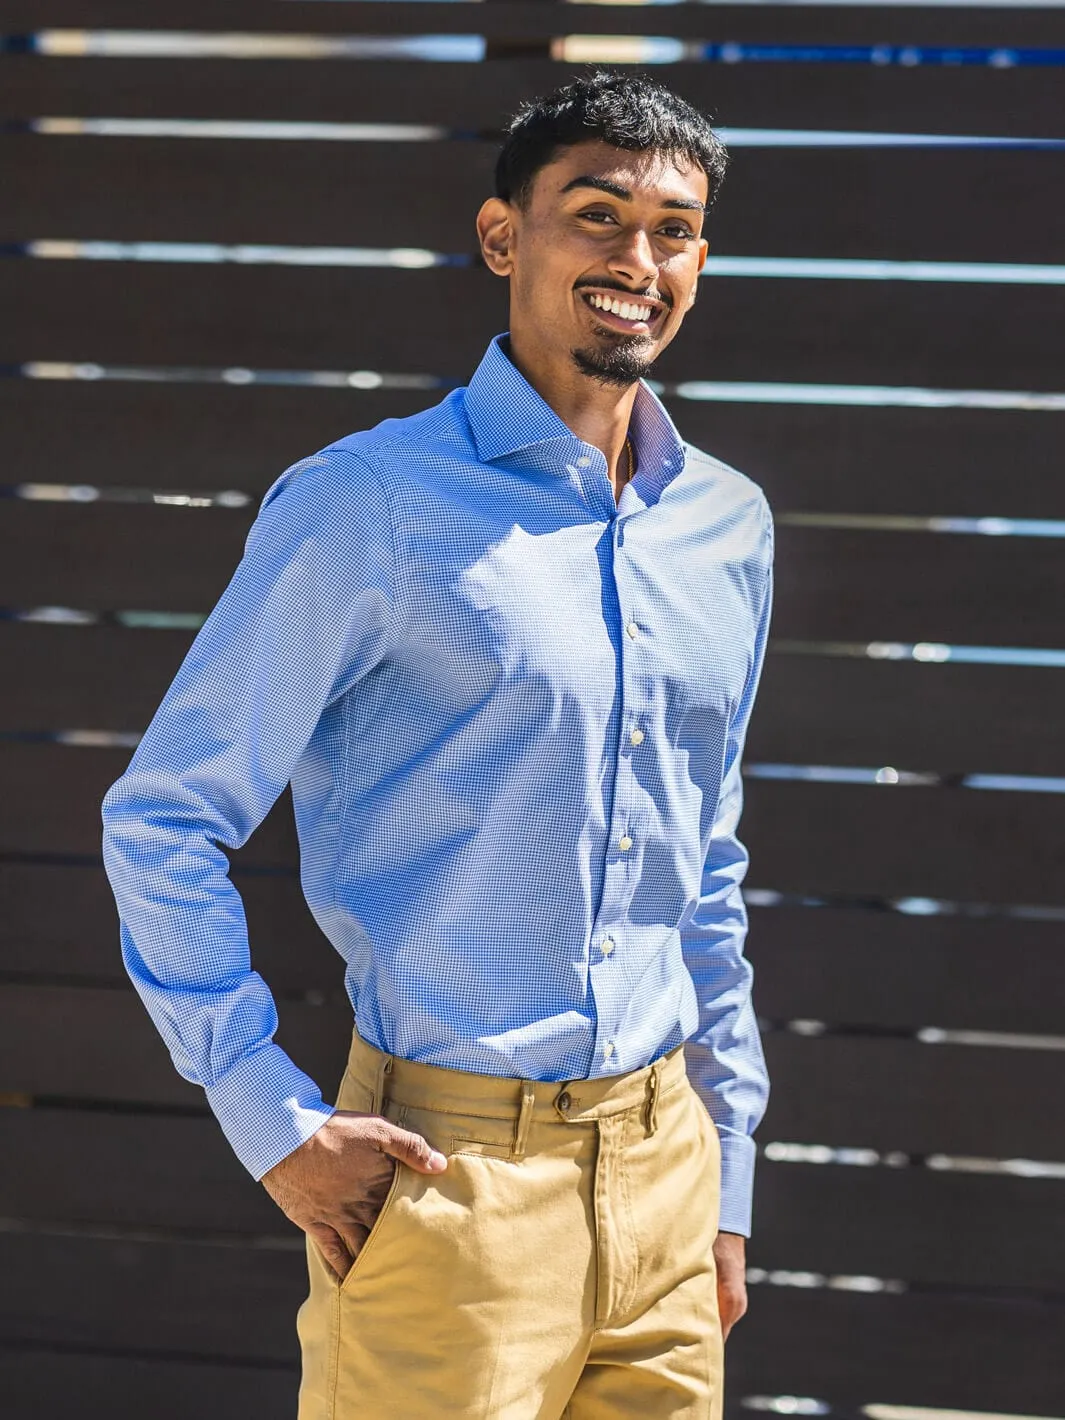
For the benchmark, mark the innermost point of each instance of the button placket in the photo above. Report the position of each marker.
(623, 830)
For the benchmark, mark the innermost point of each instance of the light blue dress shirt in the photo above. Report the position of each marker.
(512, 711)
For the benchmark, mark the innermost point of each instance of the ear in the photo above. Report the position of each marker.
(495, 230)
(704, 252)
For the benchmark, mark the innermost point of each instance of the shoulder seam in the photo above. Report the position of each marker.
(363, 456)
(691, 451)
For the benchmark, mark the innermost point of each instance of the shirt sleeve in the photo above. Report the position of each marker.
(308, 612)
(725, 1058)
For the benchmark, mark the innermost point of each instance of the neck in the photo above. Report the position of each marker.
(599, 414)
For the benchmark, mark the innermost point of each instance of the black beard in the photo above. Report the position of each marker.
(621, 365)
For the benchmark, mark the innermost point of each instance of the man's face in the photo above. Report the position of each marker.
(604, 259)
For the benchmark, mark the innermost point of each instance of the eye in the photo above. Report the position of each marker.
(598, 216)
(679, 231)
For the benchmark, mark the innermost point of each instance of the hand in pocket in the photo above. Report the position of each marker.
(336, 1183)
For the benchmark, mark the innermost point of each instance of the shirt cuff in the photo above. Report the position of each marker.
(738, 1153)
(267, 1107)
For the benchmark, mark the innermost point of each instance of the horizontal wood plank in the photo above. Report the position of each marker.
(135, 1171)
(822, 331)
(180, 1176)
(236, 1302)
(973, 205)
(60, 789)
(53, 1036)
(779, 23)
(844, 1091)
(814, 838)
(914, 1225)
(898, 970)
(852, 966)
(951, 1352)
(865, 711)
(188, 437)
(883, 841)
(1021, 102)
(59, 922)
(45, 1380)
(884, 585)
(811, 709)
(58, 556)
(984, 1102)
(831, 584)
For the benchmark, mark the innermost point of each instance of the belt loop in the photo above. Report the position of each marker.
(528, 1097)
(653, 1085)
(378, 1102)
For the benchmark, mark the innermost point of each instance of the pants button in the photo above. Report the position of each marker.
(564, 1100)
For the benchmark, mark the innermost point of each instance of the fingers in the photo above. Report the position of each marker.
(410, 1149)
(731, 1307)
(333, 1248)
(340, 1245)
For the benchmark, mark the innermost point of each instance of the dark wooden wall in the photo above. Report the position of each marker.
(143, 1272)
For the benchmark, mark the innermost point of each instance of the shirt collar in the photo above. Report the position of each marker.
(506, 414)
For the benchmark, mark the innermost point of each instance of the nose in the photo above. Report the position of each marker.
(633, 257)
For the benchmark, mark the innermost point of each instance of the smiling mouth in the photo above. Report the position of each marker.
(623, 313)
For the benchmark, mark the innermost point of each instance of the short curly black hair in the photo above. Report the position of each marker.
(626, 110)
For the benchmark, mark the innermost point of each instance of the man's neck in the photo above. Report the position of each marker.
(599, 414)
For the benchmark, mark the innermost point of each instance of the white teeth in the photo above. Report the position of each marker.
(628, 310)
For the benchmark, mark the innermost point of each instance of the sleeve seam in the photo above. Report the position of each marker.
(397, 575)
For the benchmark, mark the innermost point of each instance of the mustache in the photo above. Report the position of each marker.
(624, 290)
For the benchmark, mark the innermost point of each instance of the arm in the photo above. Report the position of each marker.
(307, 613)
(726, 1062)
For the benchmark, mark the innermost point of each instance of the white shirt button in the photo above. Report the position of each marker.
(606, 946)
(608, 1049)
(625, 843)
(636, 737)
(633, 630)
(583, 461)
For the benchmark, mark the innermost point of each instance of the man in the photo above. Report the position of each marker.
(506, 651)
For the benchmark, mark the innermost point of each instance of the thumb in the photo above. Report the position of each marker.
(412, 1149)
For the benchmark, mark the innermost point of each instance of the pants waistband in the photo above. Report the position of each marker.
(421, 1086)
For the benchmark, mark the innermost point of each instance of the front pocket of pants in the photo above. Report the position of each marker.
(375, 1230)
(709, 1128)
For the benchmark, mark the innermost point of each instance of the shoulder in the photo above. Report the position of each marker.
(733, 491)
(724, 475)
(359, 467)
(441, 430)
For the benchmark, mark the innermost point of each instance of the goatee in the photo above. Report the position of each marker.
(623, 364)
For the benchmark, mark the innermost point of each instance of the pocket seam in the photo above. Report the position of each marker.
(371, 1237)
(489, 1148)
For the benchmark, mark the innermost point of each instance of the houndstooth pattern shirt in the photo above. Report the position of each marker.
(512, 712)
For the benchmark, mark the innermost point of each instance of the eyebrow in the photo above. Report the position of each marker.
(616, 190)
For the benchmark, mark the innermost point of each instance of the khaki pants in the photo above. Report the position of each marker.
(561, 1268)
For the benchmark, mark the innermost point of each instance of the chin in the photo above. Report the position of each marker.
(619, 365)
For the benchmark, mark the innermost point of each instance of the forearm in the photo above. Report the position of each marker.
(727, 1069)
(184, 946)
